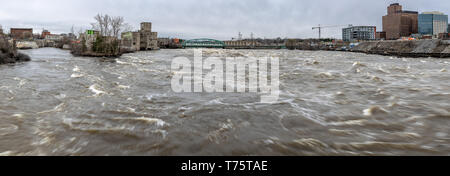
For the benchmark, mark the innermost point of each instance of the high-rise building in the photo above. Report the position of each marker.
(399, 23)
(353, 33)
(433, 23)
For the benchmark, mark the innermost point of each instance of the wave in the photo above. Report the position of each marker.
(97, 90)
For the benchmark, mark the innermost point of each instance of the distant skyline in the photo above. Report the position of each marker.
(218, 19)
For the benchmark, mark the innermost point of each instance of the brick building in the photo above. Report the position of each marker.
(45, 33)
(22, 33)
(399, 23)
(380, 35)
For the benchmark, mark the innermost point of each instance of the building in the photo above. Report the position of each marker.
(88, 38)
(164, 42)
(71, 36)
(144, 39)
(45, 33)
(1, 30)
(443, 36)
(433, 23)
(22, 33)
(242, 44)
(399, 23)
(356, 33)
(148, 39)
(380, 35)
(130, 41)
(54, 37)
(448, 28)
(171, 43)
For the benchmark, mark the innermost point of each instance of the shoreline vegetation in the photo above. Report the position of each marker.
(9, 53)
(101, 47)
(103, 40)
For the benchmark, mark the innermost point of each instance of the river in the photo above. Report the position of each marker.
(331, 103)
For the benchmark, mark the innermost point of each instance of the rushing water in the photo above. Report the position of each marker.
(331, 103)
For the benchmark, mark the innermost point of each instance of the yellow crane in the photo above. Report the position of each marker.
(321, 27)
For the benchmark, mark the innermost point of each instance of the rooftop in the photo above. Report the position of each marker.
(21, 28)
(434, 13)
(408, 11)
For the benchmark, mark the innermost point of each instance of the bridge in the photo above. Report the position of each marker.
(203, 43)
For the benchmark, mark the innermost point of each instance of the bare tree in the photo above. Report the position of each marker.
(127, 27)
(99, 24)
(116, 25)
(110, 25)
(80, 32)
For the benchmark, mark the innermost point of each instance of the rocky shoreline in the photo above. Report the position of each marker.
(93, 54)
(420, 48)
(9, 53)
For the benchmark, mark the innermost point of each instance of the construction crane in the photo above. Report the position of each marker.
(321, 27)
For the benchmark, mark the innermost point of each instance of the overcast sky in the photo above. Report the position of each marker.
(219, 19)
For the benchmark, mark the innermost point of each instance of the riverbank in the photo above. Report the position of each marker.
(9, 53)
(92, 54)
(418, 48)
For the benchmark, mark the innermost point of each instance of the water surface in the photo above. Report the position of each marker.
(331, 103)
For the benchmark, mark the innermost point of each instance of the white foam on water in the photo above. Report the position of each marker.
(76, 75)
(76, 69)
(373, 111)
(21, 81)
(6, 153)
(358, 64)
(95, 89)
(18, 115)
(56, 109)
(123, 63)
(123, 87)
(6, 129)
(157, 122)
(60, 96)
